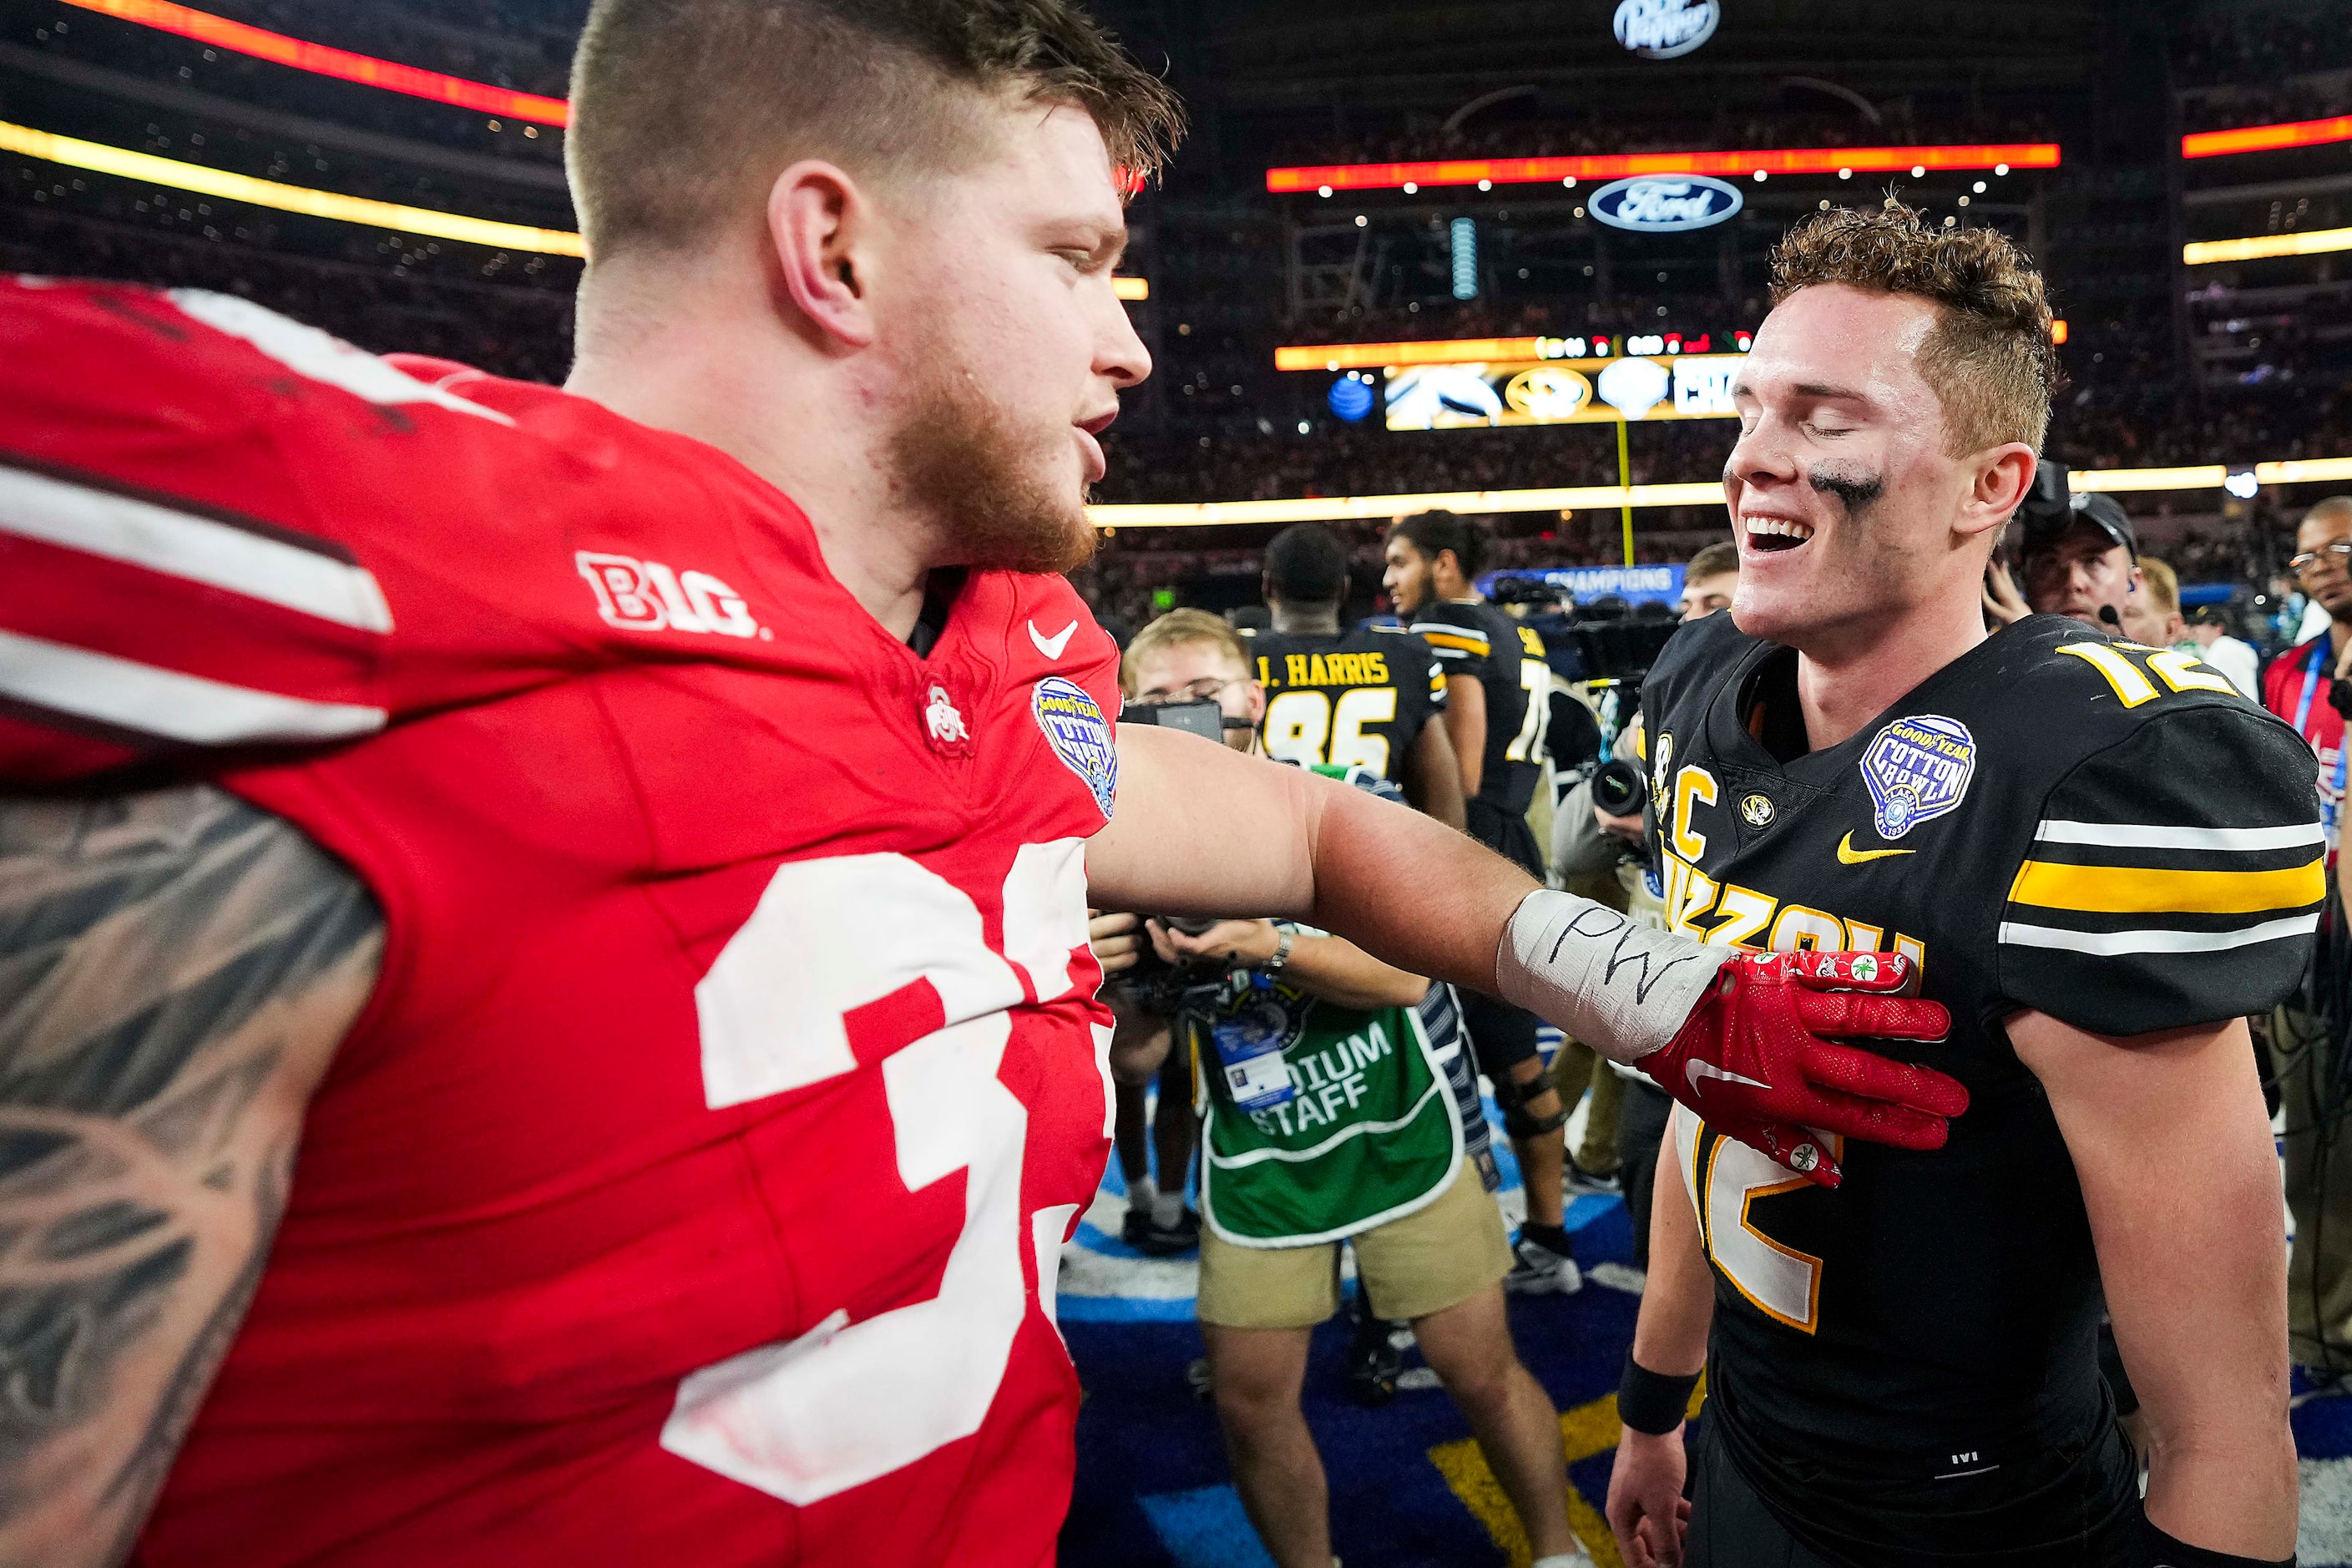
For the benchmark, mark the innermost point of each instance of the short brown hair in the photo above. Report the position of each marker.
(1175, 629)
(1720, 558)
(678, 106)
(1988, 358)
(2163, 584)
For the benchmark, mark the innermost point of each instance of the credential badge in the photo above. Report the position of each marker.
(1075, 727)
(1917, 769)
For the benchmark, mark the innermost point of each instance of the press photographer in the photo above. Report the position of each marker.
(1332, 1100)
(1185, 670)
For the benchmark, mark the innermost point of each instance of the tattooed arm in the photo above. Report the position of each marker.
(176, 969)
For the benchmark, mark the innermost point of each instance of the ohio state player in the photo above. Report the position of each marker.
(638, 840)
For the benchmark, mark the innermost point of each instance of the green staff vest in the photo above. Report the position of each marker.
(1370, 1136)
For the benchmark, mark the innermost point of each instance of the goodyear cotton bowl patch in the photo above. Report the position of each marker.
(1075, 727)
(1917, 769)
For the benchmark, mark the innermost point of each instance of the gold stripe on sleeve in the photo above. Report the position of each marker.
(2134, 890)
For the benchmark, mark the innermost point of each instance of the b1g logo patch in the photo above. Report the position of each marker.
(1917, 769)
(1075, 727)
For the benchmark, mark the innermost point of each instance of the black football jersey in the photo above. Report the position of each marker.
(1904, 1366)
(1358, 697)
(1479, 639)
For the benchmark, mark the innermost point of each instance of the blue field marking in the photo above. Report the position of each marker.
(1205, 1528)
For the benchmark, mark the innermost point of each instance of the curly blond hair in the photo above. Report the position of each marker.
(1988, 358)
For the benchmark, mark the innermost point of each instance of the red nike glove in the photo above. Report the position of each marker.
(1753, 1061)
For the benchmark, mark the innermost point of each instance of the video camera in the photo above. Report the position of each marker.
(1197, 716)
(1159, 986)
(1607, 639)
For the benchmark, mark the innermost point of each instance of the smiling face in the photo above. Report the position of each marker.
(1845, 506)
(996, 307)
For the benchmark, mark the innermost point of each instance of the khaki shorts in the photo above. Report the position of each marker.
(1436, 1257)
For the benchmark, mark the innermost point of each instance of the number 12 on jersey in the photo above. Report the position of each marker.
(1724, 1177)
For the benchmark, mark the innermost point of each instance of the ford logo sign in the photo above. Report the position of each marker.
(1661, 29)
(1665, 204)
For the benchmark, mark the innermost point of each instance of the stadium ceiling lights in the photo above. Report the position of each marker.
(223, 186)
(2311, 242)
(149, 169)
(319, 60)
(1326, 508)
(2267, 138)
(1411, 177)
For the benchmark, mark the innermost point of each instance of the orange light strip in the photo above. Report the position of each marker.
(1610, 166)
(319, 60)
(1374, 356)
(2267, 138)
(1131, 287)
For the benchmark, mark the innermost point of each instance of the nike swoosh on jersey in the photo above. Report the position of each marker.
(1052, 647)
(1695, 1070)
(1849, 856)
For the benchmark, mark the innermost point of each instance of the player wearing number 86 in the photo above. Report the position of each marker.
(2101, 858)
(1367, 697)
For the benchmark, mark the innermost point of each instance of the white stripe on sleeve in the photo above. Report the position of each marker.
(2109, 943)
(320, 355)
(2133, 835)
(182, 544)
(178, 707)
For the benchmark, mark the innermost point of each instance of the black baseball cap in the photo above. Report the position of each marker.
(2085, 508)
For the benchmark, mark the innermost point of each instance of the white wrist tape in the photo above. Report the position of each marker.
(1621, 987)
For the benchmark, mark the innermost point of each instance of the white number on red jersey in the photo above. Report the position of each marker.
(845, 1402)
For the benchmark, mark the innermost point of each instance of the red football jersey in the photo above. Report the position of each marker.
(692, 1187)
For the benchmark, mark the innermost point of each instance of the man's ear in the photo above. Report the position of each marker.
(1257, 702)
(2003, 475)
(820, 234)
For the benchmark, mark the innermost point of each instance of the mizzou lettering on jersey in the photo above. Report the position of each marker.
(1356, 699)
(2052, 822)
(1728, 915)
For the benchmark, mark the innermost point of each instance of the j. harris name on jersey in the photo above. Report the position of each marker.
(1327, 669)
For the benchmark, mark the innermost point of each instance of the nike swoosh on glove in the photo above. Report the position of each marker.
(1753, 1059)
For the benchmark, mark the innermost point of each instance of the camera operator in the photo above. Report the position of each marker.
(1184, 657)
(2310, 686)
(1327, 1114)
(2079, 557)
(1600, 853)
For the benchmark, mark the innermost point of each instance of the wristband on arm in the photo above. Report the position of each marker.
(2153, 1547)
(1756, 1043)
(1651, 1401)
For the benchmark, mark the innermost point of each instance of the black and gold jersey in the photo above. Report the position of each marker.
(1479, 639)
(1359, 697)
(2108, 833)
